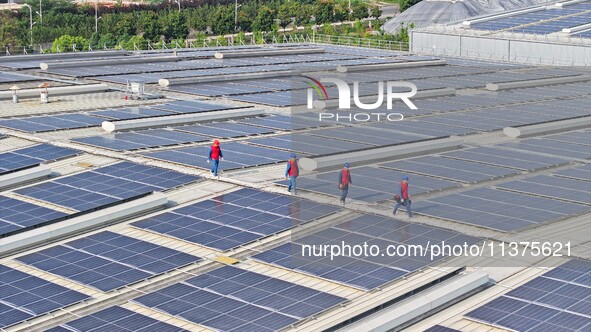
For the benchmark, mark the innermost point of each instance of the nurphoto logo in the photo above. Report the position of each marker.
(345, 93)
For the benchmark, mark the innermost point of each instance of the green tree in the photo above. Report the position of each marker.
(405, 4)
(303, 14)
(284, 14)
(375, 11)
(134, 42)
(66, 43)
(359, 11)
(107, 40)
(264, 20)
(341, 12)
(223, 21)
(324, 11)
(148, 25)
(174, 25)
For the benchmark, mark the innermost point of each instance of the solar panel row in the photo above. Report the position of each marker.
(32, 156)
(24, 296)
(107, 260)
(556, 301)
(235, 219)
(105, 185)
(18, 215)
(233, 299)
(367, 272)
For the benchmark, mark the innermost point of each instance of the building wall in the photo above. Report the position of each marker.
(500, 49)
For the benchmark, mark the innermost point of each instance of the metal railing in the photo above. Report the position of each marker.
(220, 41)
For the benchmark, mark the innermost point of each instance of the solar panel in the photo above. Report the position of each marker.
(116, 319)
(24, 296)
(236, 156)
(233, 299)
(107, 260)
(18, 215)
(31, 156)
(551, 147)
(575, 137)
(553, 187)
(497, 209)
(130, 113)
(547, 303)
(142, 139)
(106, 185)
(367, 272)
(53, 122)
(193, 106)
(371, 184)
(521, 160)
(224, 130)
(453, 169)
(232, 220)
(580, 173)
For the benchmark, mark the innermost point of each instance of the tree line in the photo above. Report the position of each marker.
(66, 23)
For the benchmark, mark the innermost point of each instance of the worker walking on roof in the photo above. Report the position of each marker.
(404, 198)
(291, 172)
(345, 182)
(215, 153)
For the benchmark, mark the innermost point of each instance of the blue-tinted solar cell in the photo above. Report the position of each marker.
(17, 215)
(116, 260)
(31, 156)
(53, 122)
(506, 158)
(458, 170)
(552, 148)
(106, 185)
(553, 187)
(539, 304)
(580, 173)
(130, 113)
(497, 209)
(224, 130)
(236, 155)
(367, 272)
(141, 139)
(192, 106)
(117, 319)
(241, 305)
(25, 296)
(229, 221)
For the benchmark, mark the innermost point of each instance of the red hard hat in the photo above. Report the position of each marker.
(216, 142)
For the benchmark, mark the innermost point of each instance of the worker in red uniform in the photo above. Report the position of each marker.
(404, 197)
(345, 182)
(291, 172)
(215, 153)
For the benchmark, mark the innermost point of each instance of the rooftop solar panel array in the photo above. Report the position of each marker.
(107, 260)
(453, 169)
(52, 122)
(572, 190)
(225, 130)
(31, 156)
(549, 147)
(236, 156)
(116, 319)
(235, 219)
(17, 215)
(440, 328)
(368, 272)
(520, 160)
(105, 185)
(95, 118)
(24, 296)
(556, 301)
(498, 209)
(579, 173)
(371, 184)
(233, 299)
(142, 139)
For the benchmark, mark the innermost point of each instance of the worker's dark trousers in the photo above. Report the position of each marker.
(345, 192)
(214, 169)
(407, 204)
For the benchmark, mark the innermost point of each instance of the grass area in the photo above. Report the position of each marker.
(395, 2)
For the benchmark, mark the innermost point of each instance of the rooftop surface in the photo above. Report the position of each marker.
(127, 229)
